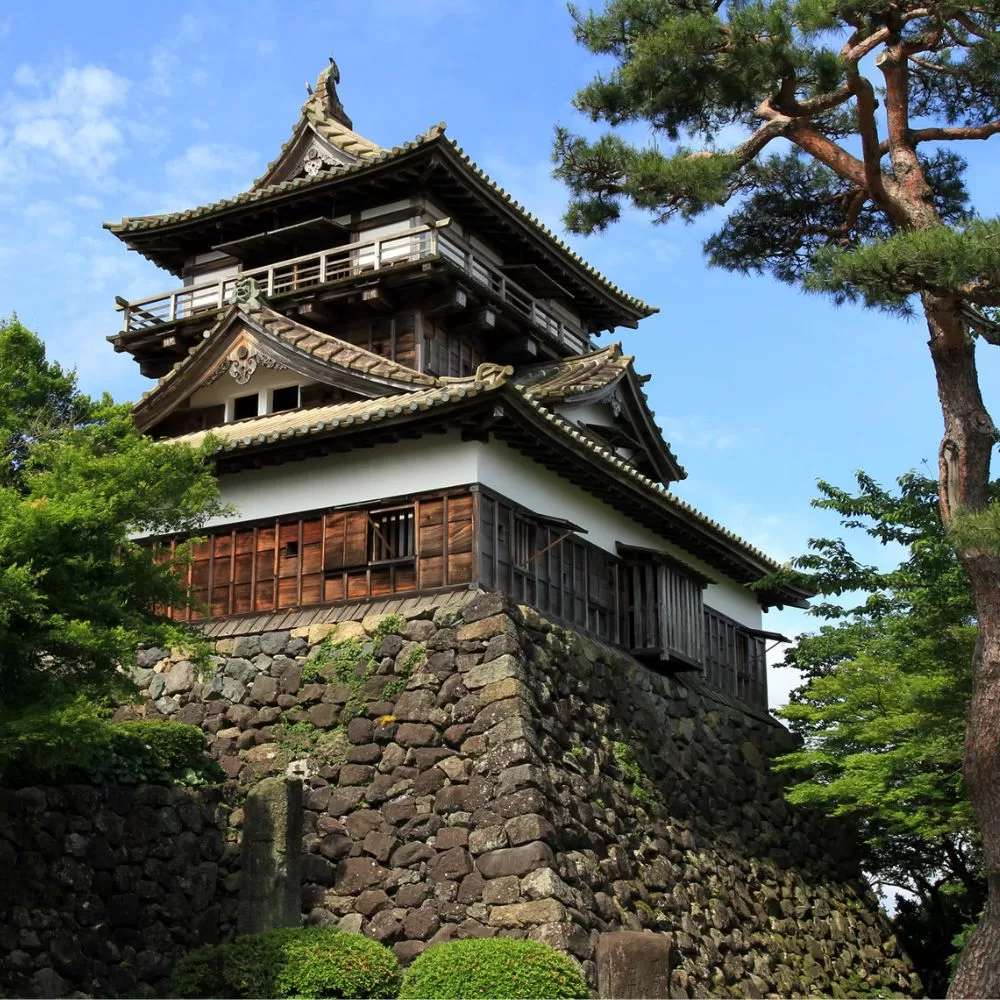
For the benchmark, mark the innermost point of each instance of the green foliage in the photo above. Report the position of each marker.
(304, 740)
(78, 595)
(492, 967)
(352, 661)
(291, 962)
(198, 973)
(74, 743)
(624, 757)
(882, 712)
(807, 74)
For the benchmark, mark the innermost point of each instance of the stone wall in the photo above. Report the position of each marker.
(476, 771)
(103, 888)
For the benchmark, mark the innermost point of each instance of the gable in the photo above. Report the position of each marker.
(253, 348)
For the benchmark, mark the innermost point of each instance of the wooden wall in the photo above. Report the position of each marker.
(323, 557)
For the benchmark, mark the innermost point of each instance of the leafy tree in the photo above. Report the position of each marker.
(848, 181)
(883, 707)
(78, 594)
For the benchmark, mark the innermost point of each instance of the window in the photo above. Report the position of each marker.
(391, 535)
(735, 658)
(523, 549)
(665, 610)
(285, 398)
(291, 550)
(246, 406)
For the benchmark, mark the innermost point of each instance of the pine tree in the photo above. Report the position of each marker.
(848, 182)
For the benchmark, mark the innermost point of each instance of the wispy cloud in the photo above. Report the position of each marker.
(72, 126)
(699, 432)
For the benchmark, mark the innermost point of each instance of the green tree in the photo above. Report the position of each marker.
(78, 594)
(883, 708)
(848, 181)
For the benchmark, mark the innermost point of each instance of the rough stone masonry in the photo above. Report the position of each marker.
(476, 771)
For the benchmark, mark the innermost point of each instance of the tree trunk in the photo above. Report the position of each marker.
(964, 465)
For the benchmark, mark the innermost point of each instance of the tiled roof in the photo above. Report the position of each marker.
(275, 427)
(134, 224)
(574, 376)
(338, 352)
(370, 155)
(303, 338)
(611, 458)
(315, 114)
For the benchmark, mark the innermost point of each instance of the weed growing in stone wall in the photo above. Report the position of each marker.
(300, 740)
(352, 661)
(624, 757)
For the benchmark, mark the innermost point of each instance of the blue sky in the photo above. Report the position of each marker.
(110, 109)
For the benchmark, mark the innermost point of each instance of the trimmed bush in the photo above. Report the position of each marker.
(498, 968)
(290, 962)
(199, 974)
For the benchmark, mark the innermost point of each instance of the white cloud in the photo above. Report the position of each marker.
(25, 76)
(71, 126)
(205, 172)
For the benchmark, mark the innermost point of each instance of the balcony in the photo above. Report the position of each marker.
(352, 260)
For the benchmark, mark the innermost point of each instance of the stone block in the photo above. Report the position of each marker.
(354, 875)
(490, 838)
(515, 860)
(522, 829)
(503, 891)
(451, 836)
(273, 643)
(544, 883)
(411, 854)
(421, 924)
(264, 690)
(539, 911)
(452, 864)
(343, 800)
(414, 734)
(631, 964)
(485, 628)
(497, 670)
(484, 605)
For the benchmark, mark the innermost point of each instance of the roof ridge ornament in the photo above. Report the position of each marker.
(326, 84)
(246, 294)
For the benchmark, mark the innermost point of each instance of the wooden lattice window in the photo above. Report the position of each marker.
(391, 535)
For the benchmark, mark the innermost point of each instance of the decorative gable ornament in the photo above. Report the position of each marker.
(243, 360)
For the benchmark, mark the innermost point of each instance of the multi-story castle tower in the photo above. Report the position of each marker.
(397, 361)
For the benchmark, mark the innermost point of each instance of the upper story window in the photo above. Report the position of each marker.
(664, 608)
(246, 406)
(391, 535)
(284, 398)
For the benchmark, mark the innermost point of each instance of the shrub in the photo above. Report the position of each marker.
(84, 748)
(290, 962)
(199, 973)
(154, 751)
(492, 967)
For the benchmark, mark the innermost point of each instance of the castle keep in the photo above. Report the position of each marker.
(398, 361)
(522, 682)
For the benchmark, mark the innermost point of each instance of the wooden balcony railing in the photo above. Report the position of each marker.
(352, 260)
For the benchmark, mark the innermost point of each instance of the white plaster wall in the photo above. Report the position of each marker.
(446, 461)
(337, 480)
(225, 388)
(508, 472)
(591, 413)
